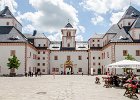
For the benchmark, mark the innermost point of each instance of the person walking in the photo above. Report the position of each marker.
(35, 74)
(26, 74)
(32, 74)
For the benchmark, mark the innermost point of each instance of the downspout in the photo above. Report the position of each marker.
(88, 61)
(114, 56)
(25, 57)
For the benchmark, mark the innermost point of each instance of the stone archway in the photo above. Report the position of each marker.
(68, 65)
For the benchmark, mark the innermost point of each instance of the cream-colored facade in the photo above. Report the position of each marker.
(37, 53)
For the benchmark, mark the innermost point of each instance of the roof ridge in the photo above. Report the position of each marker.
(69, 25)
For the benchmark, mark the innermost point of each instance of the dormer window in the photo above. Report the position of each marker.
(14, 38)
(38, 45)
(123, 38)
(132, 14)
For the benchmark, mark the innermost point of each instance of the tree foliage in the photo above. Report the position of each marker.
(13, 62)
(129, 57)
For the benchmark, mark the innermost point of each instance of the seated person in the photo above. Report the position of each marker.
(115, 80)
(97, 80)
(111, 80)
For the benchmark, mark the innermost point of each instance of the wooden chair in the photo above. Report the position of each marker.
(130, 92)
(133, 93)
(127, 91)
(107, 83)
(103, 79)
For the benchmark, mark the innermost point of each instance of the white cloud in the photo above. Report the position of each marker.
(104, 6)
(55, 37)
(99, 7)
(80, 29)
(136, 2)
(97, 19)
(115, 17)
(79, 38)
(34, 18)
(12, 4)
(51, 15)
(28, 28)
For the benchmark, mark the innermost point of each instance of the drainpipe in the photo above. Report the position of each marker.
(25, 57)
(88, 61)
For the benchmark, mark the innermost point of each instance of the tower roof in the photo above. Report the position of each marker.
(131, 12)
(68, 26)
(6, 13)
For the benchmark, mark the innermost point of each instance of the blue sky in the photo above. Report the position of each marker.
(88, 16)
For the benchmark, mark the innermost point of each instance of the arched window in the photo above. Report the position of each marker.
(68, 33)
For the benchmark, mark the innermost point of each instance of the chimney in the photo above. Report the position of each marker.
(34, 32)
(6, 7)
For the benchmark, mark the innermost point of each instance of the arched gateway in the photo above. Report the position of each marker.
(68, 67)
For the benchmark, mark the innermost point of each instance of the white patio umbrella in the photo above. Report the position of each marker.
(124, 64)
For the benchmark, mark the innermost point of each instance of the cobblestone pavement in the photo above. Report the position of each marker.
(66, 87)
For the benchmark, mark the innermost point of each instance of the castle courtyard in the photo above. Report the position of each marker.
(60, 87)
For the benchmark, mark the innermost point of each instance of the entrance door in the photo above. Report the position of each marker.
(68, 71)
(99, 71)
